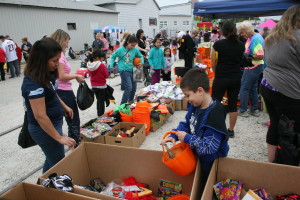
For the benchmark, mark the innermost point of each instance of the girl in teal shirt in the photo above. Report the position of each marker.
(125, 55)
(156, 60)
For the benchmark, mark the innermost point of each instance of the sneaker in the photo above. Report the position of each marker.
(255, 113)
(230, 133)
(243, 114)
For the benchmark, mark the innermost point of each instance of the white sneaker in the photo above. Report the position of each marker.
(255, 113)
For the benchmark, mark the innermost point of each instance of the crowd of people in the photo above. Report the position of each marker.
(49, 96)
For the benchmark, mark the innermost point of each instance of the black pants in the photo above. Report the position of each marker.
(166, 77)
(232, 86)
(100, 95)
(68, 97)
(189, 58)
(2, 71)
(278, 104)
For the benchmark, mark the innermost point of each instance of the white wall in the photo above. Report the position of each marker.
(34, 23)
(130, 14)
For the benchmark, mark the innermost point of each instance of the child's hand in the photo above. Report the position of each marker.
(181, 135)
(168, 139)
(112, 69)
(139, 66)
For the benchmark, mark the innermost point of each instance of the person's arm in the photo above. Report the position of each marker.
(38, 107)
(258, 51)
(209, 144)
(113, 58)
(104, 71)
(141, 49)
(213, 59)
(62, 76)
(139, 55)
(150, 58)
(163, 62)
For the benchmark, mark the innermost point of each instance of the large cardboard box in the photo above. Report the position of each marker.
(109, 162)
(28, 191)
(274, 178)
(134, 141)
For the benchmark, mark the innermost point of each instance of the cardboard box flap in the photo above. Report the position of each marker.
(110, 162)
(195, 195)
(28, 191)
(75, 165)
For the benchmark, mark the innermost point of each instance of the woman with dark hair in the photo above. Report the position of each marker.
(45, 110)
(141, 42)
(280, 86)
(227, 70)
(125, 55)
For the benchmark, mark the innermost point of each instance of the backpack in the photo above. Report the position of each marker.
(288, 149)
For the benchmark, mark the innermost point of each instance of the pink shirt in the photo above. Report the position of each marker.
(106, 45)
(64, 85)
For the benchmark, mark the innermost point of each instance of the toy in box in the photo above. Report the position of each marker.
(168, 189)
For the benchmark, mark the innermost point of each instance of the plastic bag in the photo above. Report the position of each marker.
(138, 75)
(124, 108)
(85, 96)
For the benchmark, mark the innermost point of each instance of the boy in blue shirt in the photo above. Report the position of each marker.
(204, 129)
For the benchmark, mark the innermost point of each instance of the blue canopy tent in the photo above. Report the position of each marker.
(218, 9)
(109, 29)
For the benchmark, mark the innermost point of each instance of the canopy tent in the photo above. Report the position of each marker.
(109, 29)
(269, 23)
(217, 9)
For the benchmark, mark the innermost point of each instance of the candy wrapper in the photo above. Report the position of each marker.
(261, 193)
(101, 127)
(228, 190)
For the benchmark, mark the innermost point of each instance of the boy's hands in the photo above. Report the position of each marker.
(181, 135)
(168, 139)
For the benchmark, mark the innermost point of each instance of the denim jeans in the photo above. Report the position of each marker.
(68, 97)
(128, 86)
(14, 68)
(53, 150)
(249, 88)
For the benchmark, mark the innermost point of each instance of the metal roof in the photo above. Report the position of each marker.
(60, 4)
(103, 2)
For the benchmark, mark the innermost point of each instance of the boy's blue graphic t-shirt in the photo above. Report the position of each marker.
(34, 90)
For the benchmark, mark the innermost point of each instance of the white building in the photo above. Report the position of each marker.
(134, 14)
(177, 17)
(36, 18)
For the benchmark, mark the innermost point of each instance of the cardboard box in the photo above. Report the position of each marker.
(155, 125)
(178, 104)
(109, 162)
(99, 139)
(28, 191)
(184, 103)
(274, 178)
(134, 141)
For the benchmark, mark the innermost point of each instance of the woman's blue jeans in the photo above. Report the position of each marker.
(128, 86)
(249, 88)
(53, 150)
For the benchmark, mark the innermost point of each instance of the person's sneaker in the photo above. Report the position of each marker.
(243, 114)
(230, 133)
(255, 113)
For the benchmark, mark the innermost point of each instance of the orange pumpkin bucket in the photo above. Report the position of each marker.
(184, 161)
(136, 61)
(180, 197)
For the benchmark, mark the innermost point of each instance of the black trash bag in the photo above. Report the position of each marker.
(288, 149)
(85, 96)
(25, 139)
(246, 60)
(109, 97)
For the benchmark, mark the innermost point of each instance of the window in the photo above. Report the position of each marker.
(175, 23)
(71, 26)
(163, 23)
(152, 21)
(186, 22)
